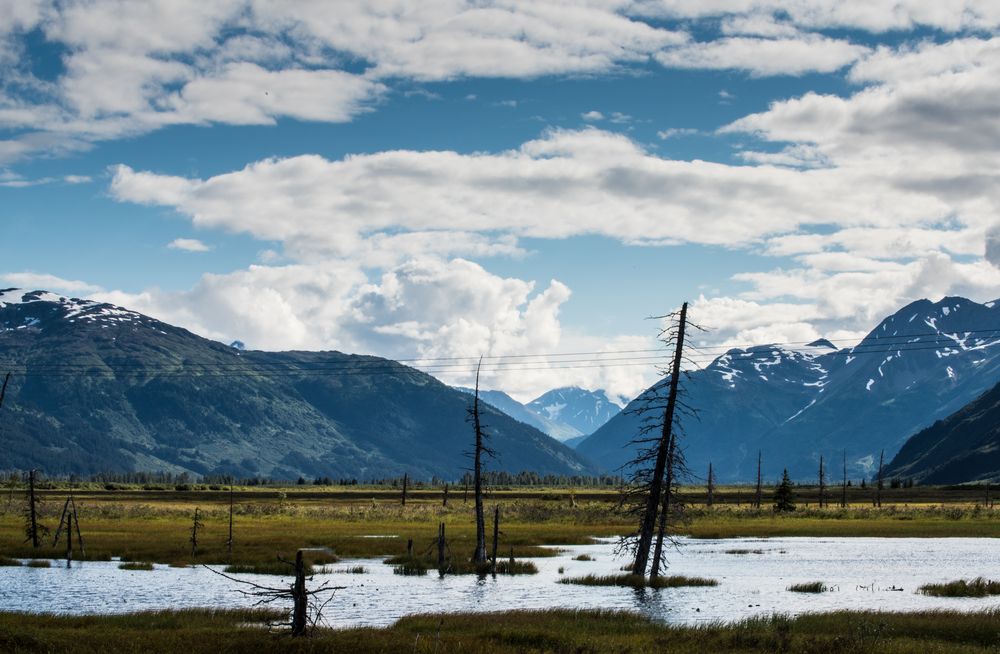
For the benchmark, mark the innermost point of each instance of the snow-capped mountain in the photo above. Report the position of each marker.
(577, 408)
(566, 414)
(795, 404)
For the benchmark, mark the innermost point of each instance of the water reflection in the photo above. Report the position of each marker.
(753, 576)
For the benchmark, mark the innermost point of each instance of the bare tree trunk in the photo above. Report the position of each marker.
(445, 501)
(406, 478)
(757, 496)
(648, 525)
(300, 599)
(69, 540)
(711, 486)
(441, 545)
(3, 389)
(843, 488)
(32, 512)
(480, 554)
(661, 531)
(496, 537)
(878, 486)
(822, 481)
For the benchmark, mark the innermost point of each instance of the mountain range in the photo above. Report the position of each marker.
(798, 403)
(568, 414)
(97, 387)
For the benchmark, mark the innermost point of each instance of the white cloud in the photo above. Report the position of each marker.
(188, 245)
(674, 132)
(807, 53)
(46, 282)
(592, 115)
(423, 308)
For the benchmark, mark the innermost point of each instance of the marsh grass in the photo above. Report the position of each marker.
(39, 563)
(809, 587)
(135, 565)
(353, 570)
(639, 581)
(562, 632)
(583, 557)
(277, 568)
(741, 552)
(978, 587)
(419, 565)
(6, 562)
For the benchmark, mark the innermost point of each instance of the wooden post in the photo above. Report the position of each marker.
(409, 545)
(405, 479)
(229, 543)
(445, 501)
(300, 599)
(441, 545)
(465, 495)
(496, 536)
(987, 493)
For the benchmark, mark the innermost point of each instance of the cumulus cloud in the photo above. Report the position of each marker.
(129, 69)
(426, 307)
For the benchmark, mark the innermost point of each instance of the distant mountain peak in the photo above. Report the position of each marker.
(822, 342)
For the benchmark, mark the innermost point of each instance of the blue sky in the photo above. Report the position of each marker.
(447, 179)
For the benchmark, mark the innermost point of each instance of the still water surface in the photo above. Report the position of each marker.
(861, 572)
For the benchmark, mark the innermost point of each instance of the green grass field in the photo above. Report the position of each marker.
(557, 632)
(154, 525)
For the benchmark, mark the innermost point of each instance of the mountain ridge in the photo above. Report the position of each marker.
(99, 387)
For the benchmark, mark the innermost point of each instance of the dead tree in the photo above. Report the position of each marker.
(32, 530)
(196, 526)
(69, 520)
(3, 389)
(710, 486)
(406, 478)
(760, 489)
(671, 500)
(879, 480)
(307, 607)
(843, 487)
(481, 450)
(442, 545)
(822, 481)
(444, 502)
(649, 483)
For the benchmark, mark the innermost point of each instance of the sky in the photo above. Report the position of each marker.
(448, 179)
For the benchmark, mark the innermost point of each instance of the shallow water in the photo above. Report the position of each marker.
(860, 570)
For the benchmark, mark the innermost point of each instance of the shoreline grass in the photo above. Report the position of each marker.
(557, 631)
(135, 565)
(978, 587)
(639, 581)
(809, 587)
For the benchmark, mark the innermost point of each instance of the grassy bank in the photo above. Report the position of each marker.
(155, 525)
(558, 632)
